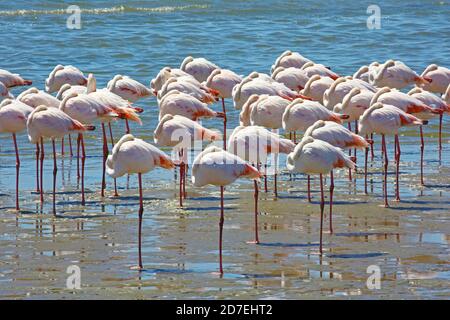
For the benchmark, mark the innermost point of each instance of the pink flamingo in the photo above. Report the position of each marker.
(439, 76)
(364, 71)
(434, 102)
(223, 81)
(128, 88)
(189, 86)
(131, 155)
(289, 59)
(165, 74)
(395, 74)
(338, 136)
(316, 86)
(312, 69)
(10, 80)
(264, 110)
(68, 89)
(13, 119)
(386, 119)
(218, 167)
(4, 92)
(199, 68)
(312, 156)
(341, 87)
(61, 75)
(51, 123)
(410, 105)
(293, 78)
(168, 133)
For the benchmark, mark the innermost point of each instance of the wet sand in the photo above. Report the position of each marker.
(409, 241)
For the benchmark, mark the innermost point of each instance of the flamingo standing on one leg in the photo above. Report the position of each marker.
(61, 75)
(316, 86)
(199, 68)
(313, 156)
(338, 136)
(223, 81)
(386, 119)
(168, 133)
(218, 167)
(13, 119)
(13, 79)
(264, 110)
(51, 123)
(293, 78)
(131, 155)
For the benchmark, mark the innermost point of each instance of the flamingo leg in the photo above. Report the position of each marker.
(55, 171)
(221, 229)
(383, 146)
(127, 126)
(275, 191)
(70, 146)
(397, 160)
(17, 170)
(42, 170)
(309, 188)
(37, 167)
(116, 194)
(265, 178)
(322, 206)
(255, 195)
(365, 168)
(224, 125)
(331, 199)
(105, 155)
(180, 154)
(83, 159)
(372, 153)
(185, 167)
(62, 146)
(141, 212)
(295, 136)
(78, 157)
(440, 137)
(422, 148)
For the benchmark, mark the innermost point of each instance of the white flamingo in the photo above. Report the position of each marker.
(316, 86)
(128, 88)
(439, 76)
(395, 74)
(341, 87)
(293, 78)
(61, 75)
(186, 85)
(4, 92)
(289, 59)
(199, 68)
(13, 79)
(312, 69)
(264, 110)
(364, 71)
(165, 74)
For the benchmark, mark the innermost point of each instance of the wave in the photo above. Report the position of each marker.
(115, 9)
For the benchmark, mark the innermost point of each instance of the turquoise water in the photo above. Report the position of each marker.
(138, 38)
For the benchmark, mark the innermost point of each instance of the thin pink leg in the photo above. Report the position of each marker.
(224, 125)
(422, 148)
(141, 212)
(221, 229)
(42, 170)
(55, 171)
(83, 160)
(17, 170)
(383, 146)
(331, 200)
(37, 167)
(397, 160)
(322, 206)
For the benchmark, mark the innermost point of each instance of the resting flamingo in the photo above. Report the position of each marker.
(312, 69)
(395, 74)
(223, 81)
(13, 79)
(165, 74)
(168, 133)
(439, 76)
(51, 123)
(364, 71)
(316, 86)
(131, 155)
(289, 59)
(61, 75)
(218, 167)
(263, 110)
(293, 78)
(13, 119)
(128, 88)
(186, 85)
(341, 87)
(199, 68)
(313, 156)
(4, 92)
(386, 119)
(338, 136)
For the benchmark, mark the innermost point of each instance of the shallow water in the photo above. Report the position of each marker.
(409, 241)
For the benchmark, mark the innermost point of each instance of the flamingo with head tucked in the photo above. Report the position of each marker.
(395, 74)
(131, 155)
(313, 156)
(289, 59)
(386, 119)
(13, 79)
(364, 71)
(439, 76)
(189, 86)
(341, 87)
(293, 78)
(263, 110)
(312, 69)
(199, 68)
(13, 119)
(52, 123)
(165, 74)
(316, 86)
(218, 167)
(61, 75)
(128, 88)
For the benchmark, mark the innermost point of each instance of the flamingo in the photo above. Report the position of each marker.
(439, 78)
(338, 136)
(289, 59)
(312, 69)
(395, 74)
(183, 104)
(312, 156)
(87, 110)
(61, 75)
(364, 71)
(165, 74)
(434, 102)
(254, 143)
(44, 122)
(4, 93)
(293, 78)
(354, 103)
(189, 86)
(264, 110)
(341, 87)
(446, 95)
(218, 167)
(199, 68)
(168, 133)
(386, 119)
(128, 88)
(223, 81)
(410, 105)
(13, 119)
(10, 80)
(316, 86)
(132, 155)
(67, 89)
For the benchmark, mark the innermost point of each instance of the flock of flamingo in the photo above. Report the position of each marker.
(298, 95)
